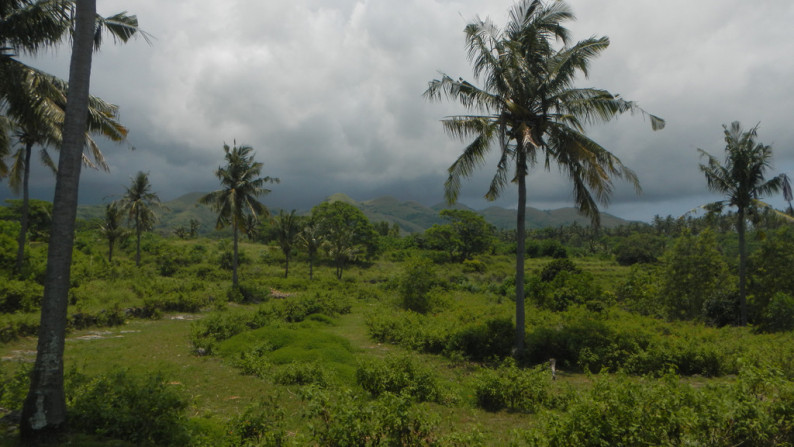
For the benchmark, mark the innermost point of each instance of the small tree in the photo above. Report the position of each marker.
(693, 270)
(111, 228)
(346, 230)
(138, 202)
(287, 227)
(311, 238)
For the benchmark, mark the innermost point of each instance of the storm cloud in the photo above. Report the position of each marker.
(329, 94)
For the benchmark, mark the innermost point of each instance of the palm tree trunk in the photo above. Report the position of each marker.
(110, 249)
(520, 252)
(138, 232)
(286, 267)
(742, 268)
(25, 219)
(234, 257)
(311, 266)
(44, 410)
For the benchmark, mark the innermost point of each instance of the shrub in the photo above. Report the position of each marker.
(260, 424)
(14, 386)
(492, 339)
(300, 373)
(398, 375)
(638, 248)
(346, 420)
(553, 268)
(778, 315)
(20, 296)
(473, 266)
(415, 284)
(513, 388)
(142, 409)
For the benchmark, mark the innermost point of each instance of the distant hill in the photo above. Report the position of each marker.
(414, 217)
(411, 216)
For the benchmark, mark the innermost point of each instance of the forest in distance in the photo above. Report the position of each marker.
(220, 322)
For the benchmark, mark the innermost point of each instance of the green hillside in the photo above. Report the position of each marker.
(411, 216)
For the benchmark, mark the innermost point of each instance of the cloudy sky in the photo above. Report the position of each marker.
(329, 94)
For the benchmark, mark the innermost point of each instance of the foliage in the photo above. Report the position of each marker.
(287, 226)
(346, 231)
(693, 269)
(260, 424)
(416, 285)
(144, 409)
(742, 178)
(398, 375)
(342, 419)
(640, 291)
(20, 296)
(638, 248)
(510, 387)
(770, 269)
(778, 315)
(466, 234)
(139, 202)
(39, 216)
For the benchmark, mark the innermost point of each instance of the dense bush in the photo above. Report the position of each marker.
(639, 248)
(415, 285)
(564, 289)
(342, 419)
(513, 388)
(640, 292)
(778, 315)
(20, 296)
(693, 270)
(487, 340)
(143, 409)
(260, 424)
(757, 410)
(398, 375)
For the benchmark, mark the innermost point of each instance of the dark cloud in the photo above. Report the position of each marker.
(329, 94)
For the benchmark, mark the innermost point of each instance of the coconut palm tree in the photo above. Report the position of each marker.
(44, 410)
(742, 179)
(240, 187)
(287, 229)
(138, 203)
(529, 108)
(35, 101)
(111, 228)
(50, 93)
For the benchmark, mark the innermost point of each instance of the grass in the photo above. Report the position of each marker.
(219, 391)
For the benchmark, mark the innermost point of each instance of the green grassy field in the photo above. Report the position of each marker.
(313, 357)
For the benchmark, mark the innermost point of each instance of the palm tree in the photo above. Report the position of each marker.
(44, 410)
(50, 92)
(241, 185)
(742, 179)
(35, 101)
(311, 238)
(111, 228)
(138, 202)
(287, 228)
(530, 109)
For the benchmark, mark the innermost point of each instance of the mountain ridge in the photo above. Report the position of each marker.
(410, 215)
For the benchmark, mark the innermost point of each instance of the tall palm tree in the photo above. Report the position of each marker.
(44, 410)
(111, 227)
(138, 203)
(50, 93)
(742, 179)
(287, 229)
(240, 187)
(35, 101)
(530, 109)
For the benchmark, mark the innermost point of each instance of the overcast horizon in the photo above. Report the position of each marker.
(329, 95)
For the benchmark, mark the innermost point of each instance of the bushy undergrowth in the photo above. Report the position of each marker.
(219, 326)
(513, 388)
(341, 418)
(398, 375)
(143, 409)
(757, 410)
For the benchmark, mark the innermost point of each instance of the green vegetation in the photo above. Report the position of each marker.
(635, 335)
